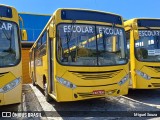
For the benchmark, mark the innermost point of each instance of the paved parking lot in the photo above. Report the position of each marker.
(108, 108)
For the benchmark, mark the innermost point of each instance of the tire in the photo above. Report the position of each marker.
(47, 96)
(33, 81)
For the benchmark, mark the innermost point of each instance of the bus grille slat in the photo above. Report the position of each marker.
(96, 75)
(156, 84)
(84, 95)
(2, 74)
(156, 68)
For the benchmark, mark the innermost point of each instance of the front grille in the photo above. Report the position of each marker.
(155, 68)
(96, 75)
(156, 84)
(2, 74)
(156, 78)
(89, 94)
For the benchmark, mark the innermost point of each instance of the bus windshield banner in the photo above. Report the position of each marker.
(149, 33)
(90, 16)
(148, 23)
(5, 25)
(91, 29)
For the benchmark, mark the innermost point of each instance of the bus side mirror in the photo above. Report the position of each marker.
(135, 31)
(24, 34)
(51, 32)
(136, 34)
(114, 43)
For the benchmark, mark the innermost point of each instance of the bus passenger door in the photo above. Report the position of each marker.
(51, 83)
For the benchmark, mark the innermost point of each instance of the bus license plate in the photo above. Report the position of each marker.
(98, 92)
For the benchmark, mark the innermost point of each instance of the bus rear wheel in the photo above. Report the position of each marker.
(47, 96)
(33, 81)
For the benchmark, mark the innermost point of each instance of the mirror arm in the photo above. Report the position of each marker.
(20, 18)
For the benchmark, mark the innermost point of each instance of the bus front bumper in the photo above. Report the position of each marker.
(89, 92)
(153, 83)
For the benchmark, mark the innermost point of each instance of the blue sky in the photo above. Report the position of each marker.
(127, 8)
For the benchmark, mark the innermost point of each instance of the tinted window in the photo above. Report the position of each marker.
(44, 37)
(90, 16)
(149, 23)
(128, 43)
(5, 12)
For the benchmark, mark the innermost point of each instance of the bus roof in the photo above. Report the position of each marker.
(142, 22)
(7, 6)
(130, 21)
(35, 14)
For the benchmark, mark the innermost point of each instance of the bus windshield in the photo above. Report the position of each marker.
(9, 46)
(147, 48)
(90, 45)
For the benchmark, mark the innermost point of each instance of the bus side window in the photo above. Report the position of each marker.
(43, 47)
(36, 51)
(39, 42)
(44, 37)
(128, 43)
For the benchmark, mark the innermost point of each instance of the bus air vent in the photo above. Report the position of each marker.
(89, 94)
(156, 84)
(96, 75)
(2, 74)
(155, 68)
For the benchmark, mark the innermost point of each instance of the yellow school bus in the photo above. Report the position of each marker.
(143, 43)
(10, 56)
(80, 54)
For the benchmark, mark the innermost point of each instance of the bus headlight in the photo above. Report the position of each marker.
(142, 74)
(10, 85)
(123, 80)
(66, 83)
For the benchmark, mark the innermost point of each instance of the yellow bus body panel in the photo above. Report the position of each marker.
(86, 87)
(87, 92)
(6, 76)
(14, 95)
(150, 68)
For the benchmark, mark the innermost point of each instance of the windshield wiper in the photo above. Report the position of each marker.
(148, 28)
(8, 38)
(104, 42)
(69, 35)
(103, 35)
(60, 43)
(113, 25)
(4, 31)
